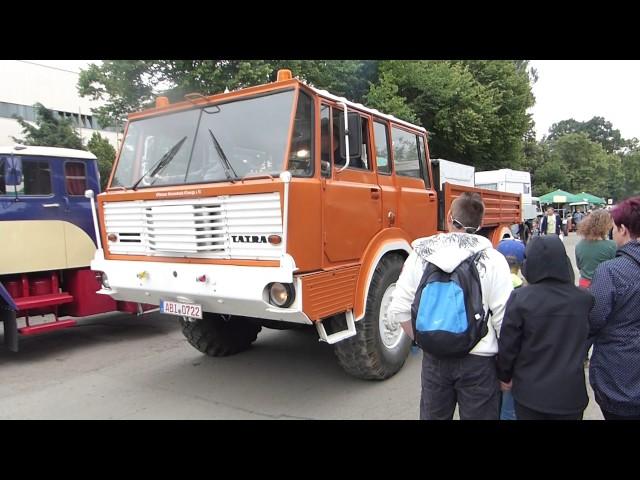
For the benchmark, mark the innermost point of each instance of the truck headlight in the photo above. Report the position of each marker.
(281, 294)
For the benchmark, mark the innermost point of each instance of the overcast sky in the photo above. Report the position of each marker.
(582, 89)
(578, 89)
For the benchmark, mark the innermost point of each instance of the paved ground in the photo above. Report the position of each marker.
(125, 367)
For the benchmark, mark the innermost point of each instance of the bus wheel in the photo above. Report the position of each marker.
(379, 349)
(220, 335)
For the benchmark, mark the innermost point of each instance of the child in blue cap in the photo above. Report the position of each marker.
(513, 250)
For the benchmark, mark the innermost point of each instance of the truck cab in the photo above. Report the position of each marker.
(272, 206)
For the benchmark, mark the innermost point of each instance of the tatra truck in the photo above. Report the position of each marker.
(276, 206)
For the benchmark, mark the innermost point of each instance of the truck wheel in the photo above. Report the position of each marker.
(220, 335)
(378, 350)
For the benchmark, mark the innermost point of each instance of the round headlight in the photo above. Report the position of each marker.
(280, 295)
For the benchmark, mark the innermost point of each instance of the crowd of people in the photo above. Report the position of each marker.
(505, 332)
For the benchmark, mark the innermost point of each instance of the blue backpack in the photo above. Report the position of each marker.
(447, 314)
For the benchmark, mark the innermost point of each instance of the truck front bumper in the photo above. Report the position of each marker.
(224, 289)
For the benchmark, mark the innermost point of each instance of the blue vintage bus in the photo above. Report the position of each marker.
(47, 240)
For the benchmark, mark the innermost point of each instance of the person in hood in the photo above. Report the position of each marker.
(470, 381)
(614, 371)
(544, 337)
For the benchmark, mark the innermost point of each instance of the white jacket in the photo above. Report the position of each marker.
(447, 251)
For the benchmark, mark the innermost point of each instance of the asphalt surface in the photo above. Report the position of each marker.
(127, 367)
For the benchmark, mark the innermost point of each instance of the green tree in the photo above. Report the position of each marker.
(576, 163)
(475, 111)
(630, 165)
(105, 153)
(597, 129)
(49, 131)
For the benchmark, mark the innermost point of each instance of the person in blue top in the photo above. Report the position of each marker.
(614, 371)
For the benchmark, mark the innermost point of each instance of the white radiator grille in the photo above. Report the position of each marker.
(228, 226)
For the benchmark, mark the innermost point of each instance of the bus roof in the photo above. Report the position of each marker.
(47, 152)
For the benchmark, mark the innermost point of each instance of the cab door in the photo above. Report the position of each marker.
(352, 206)
(77, 176)
(384, 170)
(417, 200)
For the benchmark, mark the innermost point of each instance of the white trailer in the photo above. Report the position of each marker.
(514, 181)
(456, 173)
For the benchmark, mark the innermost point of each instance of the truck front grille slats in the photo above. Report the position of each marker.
(217, 227)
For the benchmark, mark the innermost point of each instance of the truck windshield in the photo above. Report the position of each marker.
(250, 134)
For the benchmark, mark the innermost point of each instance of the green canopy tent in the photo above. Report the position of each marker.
(587, 197)
(559, 197)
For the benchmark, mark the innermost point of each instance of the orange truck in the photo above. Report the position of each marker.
(275, 206)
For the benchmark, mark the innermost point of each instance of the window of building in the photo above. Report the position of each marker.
(406, 153)
(75, 178)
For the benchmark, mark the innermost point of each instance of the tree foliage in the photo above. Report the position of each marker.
(106, 154)
(597, 129)
(49, 131)
(475, 111)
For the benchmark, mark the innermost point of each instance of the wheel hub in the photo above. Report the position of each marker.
(390, 333)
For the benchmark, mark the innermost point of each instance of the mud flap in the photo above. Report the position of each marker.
(8, 317)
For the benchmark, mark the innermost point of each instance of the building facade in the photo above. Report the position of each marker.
(24, 83)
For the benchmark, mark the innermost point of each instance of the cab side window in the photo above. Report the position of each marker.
(361, 162)
(423, 161)
(406, 153)
(75, 178)
(36, 178)
(381, 138)
(325, 140)
(301, 156)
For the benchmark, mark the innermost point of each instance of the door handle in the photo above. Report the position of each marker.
(375, 193)
(432, 196)
(50, 205)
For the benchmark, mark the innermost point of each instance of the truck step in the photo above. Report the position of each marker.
(39, 301)
(46, 327)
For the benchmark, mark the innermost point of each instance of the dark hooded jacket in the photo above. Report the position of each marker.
(614, 370)
(543, 340)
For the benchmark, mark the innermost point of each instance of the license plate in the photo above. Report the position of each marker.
(181, 309)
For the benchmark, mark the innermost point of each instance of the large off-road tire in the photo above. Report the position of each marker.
(218, 335)
(376, 352)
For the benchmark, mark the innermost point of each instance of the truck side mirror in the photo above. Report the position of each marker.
(355, 136)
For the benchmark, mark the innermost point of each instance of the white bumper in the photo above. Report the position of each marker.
(229, 289)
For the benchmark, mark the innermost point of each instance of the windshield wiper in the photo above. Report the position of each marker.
(223, 158)
(162, 163)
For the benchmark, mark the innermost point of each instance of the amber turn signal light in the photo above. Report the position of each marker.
(274, 239)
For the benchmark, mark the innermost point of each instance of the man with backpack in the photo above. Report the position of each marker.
(450, 299)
